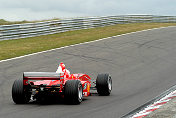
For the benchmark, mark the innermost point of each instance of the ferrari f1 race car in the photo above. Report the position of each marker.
(71, 87)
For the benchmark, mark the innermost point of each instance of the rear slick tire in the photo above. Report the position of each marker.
(73, 92)
(19, 96)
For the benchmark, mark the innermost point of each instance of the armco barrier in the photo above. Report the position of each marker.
(17, 31)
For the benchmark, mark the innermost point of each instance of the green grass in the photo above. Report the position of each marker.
(4, 22)
(19, 47)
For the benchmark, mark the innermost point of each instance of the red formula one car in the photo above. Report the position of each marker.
(70, 87)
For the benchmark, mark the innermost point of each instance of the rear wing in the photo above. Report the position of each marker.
(42, 76)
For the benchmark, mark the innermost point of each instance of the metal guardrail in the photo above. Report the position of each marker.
(17, 31)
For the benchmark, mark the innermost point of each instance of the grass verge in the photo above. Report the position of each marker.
(19, 47)
(4, 22)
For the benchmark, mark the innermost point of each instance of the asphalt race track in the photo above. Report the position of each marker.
(142, 65)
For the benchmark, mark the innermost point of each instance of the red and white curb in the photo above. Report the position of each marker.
(155, 105)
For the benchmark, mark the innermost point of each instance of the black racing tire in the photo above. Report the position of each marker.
(104, 84)
(19, 96)
(73, 92)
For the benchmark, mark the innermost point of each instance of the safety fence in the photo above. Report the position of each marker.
(17, 31)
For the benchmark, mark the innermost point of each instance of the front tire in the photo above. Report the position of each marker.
(73, 92)
(104, 84)
(20, 96)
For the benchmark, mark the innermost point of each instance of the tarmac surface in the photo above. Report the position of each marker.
(142, 66)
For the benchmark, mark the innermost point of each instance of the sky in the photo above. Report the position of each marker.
(18, 10)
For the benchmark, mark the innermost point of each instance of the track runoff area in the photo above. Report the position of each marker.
(153, 104)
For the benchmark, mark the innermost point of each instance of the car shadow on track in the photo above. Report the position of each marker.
(51, 102)
(55, 101)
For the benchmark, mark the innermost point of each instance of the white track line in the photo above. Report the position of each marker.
(82, 43)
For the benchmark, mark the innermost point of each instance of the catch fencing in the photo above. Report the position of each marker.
(25, 30)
